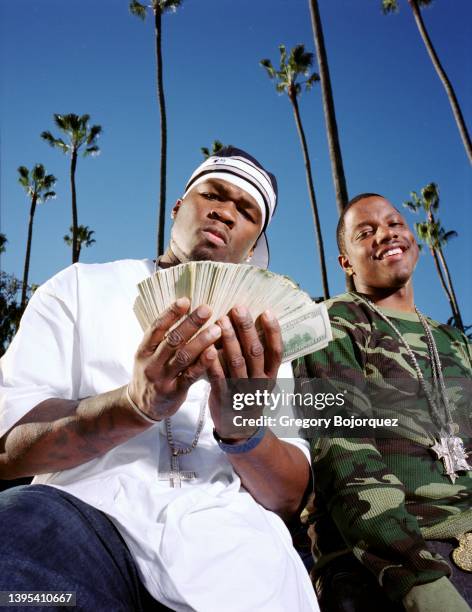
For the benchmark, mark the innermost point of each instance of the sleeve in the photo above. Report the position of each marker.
(354, 485)
(285, 374)
(43, 359)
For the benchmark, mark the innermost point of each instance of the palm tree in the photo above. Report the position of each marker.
(3, 241)
(79, 136)
(216, 146)
(38, 185)
(337, 167)
(289, 79)
(391, 6)
(434, 236)
(159, 7)
(84, 237)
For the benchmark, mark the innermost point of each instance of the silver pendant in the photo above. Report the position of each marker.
(450, 449)
(175, 475)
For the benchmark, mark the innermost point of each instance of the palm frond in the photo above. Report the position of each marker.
(49, 181)
(283, 55)
(93, 151)
(3, 241)
(93, 133)
(137, 9)
(24, 176)
(430, 195)
(300, 60)
(411, 206)
(38, 173)
(389, 6)
(448, 235)
(55, 142)
(312, 79)
(48, 195)
(60, 121)
(167, 5)
(267, 64)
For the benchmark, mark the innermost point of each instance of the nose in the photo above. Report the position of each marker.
(385, 233)
(223, 212)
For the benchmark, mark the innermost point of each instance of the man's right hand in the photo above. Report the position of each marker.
(166, 363)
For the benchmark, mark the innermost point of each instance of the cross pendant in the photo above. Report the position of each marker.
(450, 449)
(175, 476)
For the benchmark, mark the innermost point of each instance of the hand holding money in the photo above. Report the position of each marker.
(304, 325)
(171, 357)
(244, 355)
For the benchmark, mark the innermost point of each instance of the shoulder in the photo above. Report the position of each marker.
(350, 312)
(453, 342)
(70, 279)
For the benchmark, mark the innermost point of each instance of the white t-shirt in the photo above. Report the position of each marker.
(206, 546)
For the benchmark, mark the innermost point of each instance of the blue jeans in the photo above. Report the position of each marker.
(52, 541)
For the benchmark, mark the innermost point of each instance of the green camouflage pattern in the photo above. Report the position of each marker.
(378, 498)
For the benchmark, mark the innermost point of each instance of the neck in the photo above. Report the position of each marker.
(172, 257)
(401, 298)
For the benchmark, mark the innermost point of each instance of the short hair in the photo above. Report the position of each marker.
(341, 227)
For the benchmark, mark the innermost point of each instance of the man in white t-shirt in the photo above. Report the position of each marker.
(137, 502)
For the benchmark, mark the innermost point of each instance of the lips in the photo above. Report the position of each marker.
(215, 235)
(391, 251)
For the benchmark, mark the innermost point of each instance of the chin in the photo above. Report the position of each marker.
(207, 253)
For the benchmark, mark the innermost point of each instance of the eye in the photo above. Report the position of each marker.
(363, 234)
(208, 195)
(394, 223)
(247, 214)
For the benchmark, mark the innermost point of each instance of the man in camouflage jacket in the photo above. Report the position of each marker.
(379, 500)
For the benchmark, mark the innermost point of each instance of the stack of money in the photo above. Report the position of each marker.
(305, 325)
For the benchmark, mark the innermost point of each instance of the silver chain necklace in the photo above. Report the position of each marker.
(449, 447)
(176, 475)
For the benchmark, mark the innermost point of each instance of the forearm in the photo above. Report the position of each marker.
(367, 503)
(276, 474)
(61, 434)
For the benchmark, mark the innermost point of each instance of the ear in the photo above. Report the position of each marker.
(175, 209)
(345, 265)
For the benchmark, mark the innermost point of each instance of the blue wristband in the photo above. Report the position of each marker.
(244, 447)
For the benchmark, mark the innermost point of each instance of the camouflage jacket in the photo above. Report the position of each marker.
(380, 498)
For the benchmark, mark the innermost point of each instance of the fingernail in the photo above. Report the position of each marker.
(214, 331)
(211, 353)
(225, 323)
(269, 315)
(203, 311)
(181, 302)
(240, 311)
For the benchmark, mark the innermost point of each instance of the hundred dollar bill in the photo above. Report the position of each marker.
(305, 333)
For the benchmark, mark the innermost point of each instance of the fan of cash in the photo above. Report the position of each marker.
(305, 325)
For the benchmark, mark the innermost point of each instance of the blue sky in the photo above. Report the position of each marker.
(91, 56)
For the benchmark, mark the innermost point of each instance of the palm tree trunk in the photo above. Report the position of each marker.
(457, 313)
(24, 287)
(75, 223)
(162, 108)
(334, 147)
(311, 191)
(337, 168)
(443, 281)
(443, 78)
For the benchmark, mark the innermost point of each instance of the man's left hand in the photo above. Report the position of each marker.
(243, 356)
